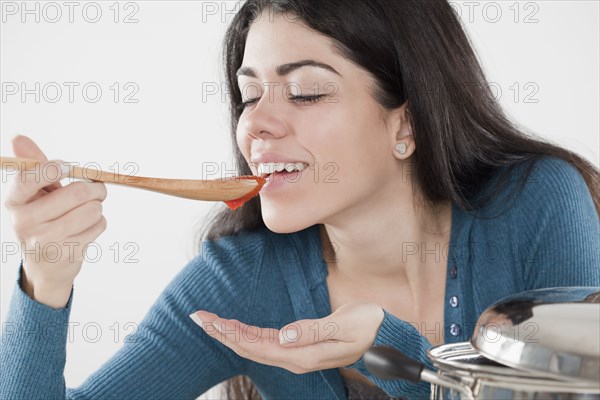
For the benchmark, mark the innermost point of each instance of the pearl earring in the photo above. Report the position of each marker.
(401, 148)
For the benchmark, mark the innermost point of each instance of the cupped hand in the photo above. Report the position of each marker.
(306, 345)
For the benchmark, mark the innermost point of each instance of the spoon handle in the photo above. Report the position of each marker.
(90, 174)
(19, 163)
(233, 191)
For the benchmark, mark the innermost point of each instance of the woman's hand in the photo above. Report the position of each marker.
(54, 224)
(337, 340)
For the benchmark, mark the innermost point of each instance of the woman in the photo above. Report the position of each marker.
(418, 204)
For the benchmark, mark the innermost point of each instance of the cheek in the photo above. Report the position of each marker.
(242, 139)
(354, 157)
(349, 140)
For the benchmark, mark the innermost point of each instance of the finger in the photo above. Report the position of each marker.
(310, 331)
(90, 234)
(252, 342)
(78, 243)
(207, 321)
(260, 345)
(204, 319)
(58, 203)
(72, 223)
(24, 147)
(28, 184)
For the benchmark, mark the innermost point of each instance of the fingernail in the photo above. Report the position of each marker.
(197, 319)
(288, 335)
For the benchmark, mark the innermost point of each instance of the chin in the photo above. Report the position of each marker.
(285, 221)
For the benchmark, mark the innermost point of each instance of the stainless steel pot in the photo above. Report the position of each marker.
(535, 345)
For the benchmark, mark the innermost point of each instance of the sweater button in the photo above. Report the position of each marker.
(453, 301)
(453, 272)
(455, 329)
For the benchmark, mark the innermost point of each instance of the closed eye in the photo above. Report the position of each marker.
(297, 99)
(307, 99)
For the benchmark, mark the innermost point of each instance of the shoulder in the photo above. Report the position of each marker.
(540, 230)
(243, 274)
(242, 249)
(244, 259)
(545, 185)
(555, 182)
(555, 220)
(547, 193)
(223, 271)
(238, 260)
(555, 196)
(562, 226)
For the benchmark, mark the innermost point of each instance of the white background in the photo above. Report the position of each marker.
(549, 50)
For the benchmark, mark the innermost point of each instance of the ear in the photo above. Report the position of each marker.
(403, 142)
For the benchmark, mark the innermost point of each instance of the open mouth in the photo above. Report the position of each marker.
(266, 170)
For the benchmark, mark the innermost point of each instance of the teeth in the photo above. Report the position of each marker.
(269, 168)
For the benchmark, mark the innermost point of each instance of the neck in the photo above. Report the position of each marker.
(388, 238)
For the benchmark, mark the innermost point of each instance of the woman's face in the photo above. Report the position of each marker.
(345, 137)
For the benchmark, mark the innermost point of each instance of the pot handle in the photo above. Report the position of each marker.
(388, 363)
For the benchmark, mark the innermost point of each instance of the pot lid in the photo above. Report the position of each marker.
(554, 331)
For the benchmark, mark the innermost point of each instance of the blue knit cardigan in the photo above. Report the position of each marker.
(545, 235)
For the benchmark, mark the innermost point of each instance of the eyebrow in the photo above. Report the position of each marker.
(285, 69)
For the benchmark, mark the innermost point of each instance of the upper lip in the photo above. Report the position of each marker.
(273, 158)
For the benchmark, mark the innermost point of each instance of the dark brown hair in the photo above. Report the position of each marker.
(416, 51)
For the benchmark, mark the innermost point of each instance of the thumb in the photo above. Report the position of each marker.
(308, 331)
(24, 147)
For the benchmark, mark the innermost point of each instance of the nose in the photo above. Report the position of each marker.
(265, 120)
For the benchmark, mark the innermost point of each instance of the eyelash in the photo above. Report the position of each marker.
(301, 99)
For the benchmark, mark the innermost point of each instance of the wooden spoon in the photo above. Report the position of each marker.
(233, 191)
